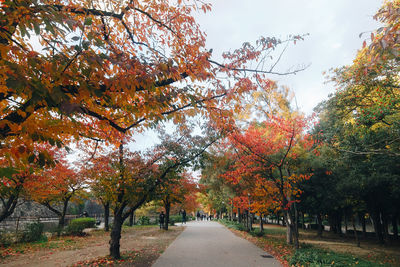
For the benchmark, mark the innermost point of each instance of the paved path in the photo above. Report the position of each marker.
(211, 244)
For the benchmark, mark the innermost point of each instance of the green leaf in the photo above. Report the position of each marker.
(36, 27)
(15, 84)
(31, 158)
(42, 159)
(7, 172)
(88, 21)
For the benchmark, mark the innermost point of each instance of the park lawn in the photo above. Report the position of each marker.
(330, 250)
(140, 246)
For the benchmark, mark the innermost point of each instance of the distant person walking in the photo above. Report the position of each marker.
(198, 215)
(161, 219)
(183, 216)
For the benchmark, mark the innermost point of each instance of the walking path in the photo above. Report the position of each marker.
(207, 243)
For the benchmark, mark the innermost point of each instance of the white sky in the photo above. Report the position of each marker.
(334, 27)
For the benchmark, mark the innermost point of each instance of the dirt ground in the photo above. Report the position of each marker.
(369, 248)
(146, 243)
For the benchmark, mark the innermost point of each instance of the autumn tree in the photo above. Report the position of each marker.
(102, 69)
(16, 169)
(266, 155)
(99, 175)
(174, 192)
(55, 187)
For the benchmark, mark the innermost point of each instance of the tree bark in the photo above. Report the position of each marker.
(296, 227)
(10, 203)
(131, 215)
(361, 216)
(377, 226)
(385, 227)
(355, 230)
(118, 212)
(319, 222)
(261, 223)
(106, 216)
(251, 216)
(116, 235)
(289, 229)
(167, 206)
(239, 216)
(61, 221)
(395, 217)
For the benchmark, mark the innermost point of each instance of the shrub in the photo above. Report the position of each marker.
(86, 222)
(77, 226)
(233, 225)
(33, 232)
(257, 233)
(6, 239)
(311, 256)
(176, 219)
(144, 220)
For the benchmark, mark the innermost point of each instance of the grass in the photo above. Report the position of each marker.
(311, 256)
(326, 251)
(53, 243)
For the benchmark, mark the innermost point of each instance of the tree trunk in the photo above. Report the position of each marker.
(289, 229)
(131, 215)
(167, 206)
(247, 220)
(303, 225)
(319, 222)
(118, 212)
(116, 235)
(361, 216)
(296, 227)
(377, 226)
(355, 230)
(345, 222)
(239, 215)
(10, 204)
(61, 221)
(106, 216)
(395, 217)
(385, 227)
(261, 223)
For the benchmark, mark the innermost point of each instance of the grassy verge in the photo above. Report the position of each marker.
(273, 240)
(54, 244)
(145, 253)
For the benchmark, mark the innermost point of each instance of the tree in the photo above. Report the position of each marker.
(179, 185)
(56, 187)
(267, 156)
(15, 172)
(100, 176)
(104, 69)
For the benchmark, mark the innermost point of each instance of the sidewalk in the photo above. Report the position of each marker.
(207, 243)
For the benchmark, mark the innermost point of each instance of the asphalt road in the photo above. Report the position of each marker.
(208, 243)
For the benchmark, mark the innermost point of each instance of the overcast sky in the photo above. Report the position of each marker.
(334, 27)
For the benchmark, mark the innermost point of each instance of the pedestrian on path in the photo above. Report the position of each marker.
(161, 219)
(198, 215)
(183, 216)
